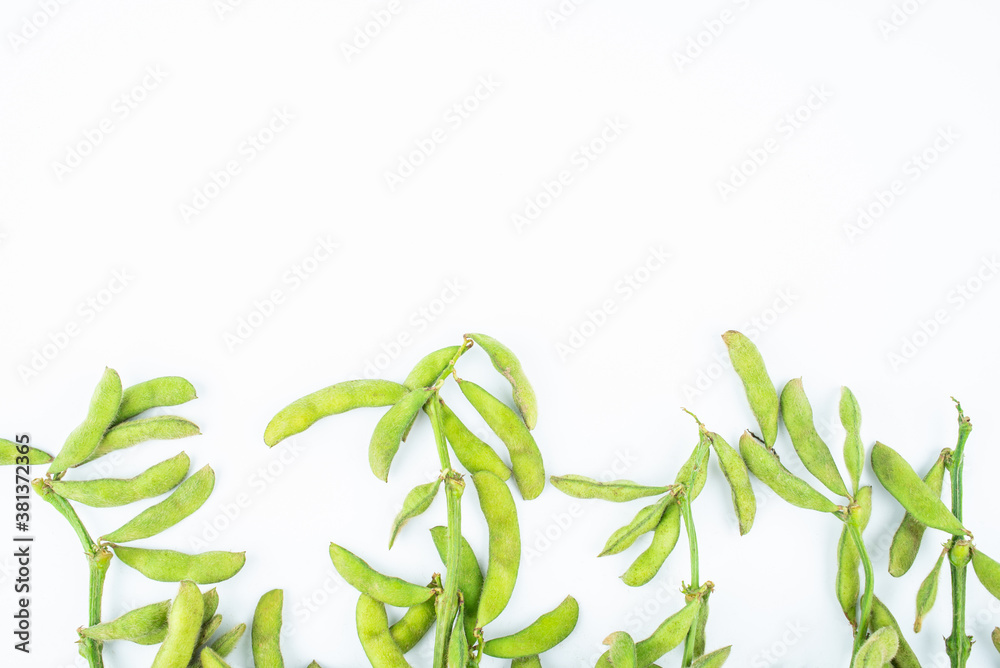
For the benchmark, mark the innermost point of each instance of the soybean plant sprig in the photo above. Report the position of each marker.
(958, 643)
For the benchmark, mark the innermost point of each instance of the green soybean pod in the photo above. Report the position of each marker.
(900, 480)
(763, 464)
(163, 391)
(302, 413)
(700, 623)
(183, 627)
(497, 505)
(854, 449)
(619, 491)
(541, 635)
(470, 576)
(668, 635)
(882, 618)
(225, 643)
(526, 662)
(133, 432)
(622, 652)
(266, 631)
(390, 430)
(108, 492)
(995, 636)
(187, 498)
(373, 631)
(798, 417)
(211, 659)
(473, 452)
(84, 439)
(988, 572)
(430, 368)
(510, 368)
(878, 650)
(18, 453)
(646, 520)
(368, 581)
(133, 625)
(695, 468)
(525, 458)
(761, 393)
(208, 629)
(458, 644)
(313, 664)
(848, 583)
(416, 502)
(171, 566)
(413, 625)
(927, 593)
(906, 540)
(735, 471)
(211, 601)
(712, 659)
(648, 564)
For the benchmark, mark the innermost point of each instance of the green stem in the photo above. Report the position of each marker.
(866, 598)
(466, 344)
(692, 535)
(958, 643)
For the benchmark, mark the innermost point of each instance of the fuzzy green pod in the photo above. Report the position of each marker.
(814, 453)
(226, 643)
(995, 636)
(882, 618)
(163, 391)
(854, 448)
(84, 439)
(458, 644)
(474, 453)
(211, 659)
(136, 626)
(735, 471)
(668, 635)
(712, 659)
(927, 593)
(878, 650)
(208, 629)
(470, 576)
(302, 413)
(18, 453)
(313, 664)
(108, 492)
(373, 631)
(416, 502)
(622, 652)
(266, 631)
(694, 472)
(391, 429)
(988, 572)
(510, 368)
(646, 520)
(900, 480)
(541, 635)
(772, 473)
(171, 566)
(187, 498)
(618, 491)
(665, 536)
(133, 432)
(526, 662)
(413, 625)
(184, 621)
(848, 583)
(906, 540)
(700, 624)
(525, 458)
(761, 393)
(430, 368)
(382, 588)
(497, 505)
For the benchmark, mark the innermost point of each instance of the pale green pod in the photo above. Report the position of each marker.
(497, 505)
(458, 644)
(470, 576)
(430, 367)
(541, 635)
(668, 635)
(266, 631)
(184, 621)
(134, 626)
(526, 662)
(368, 581)
(133, 432)
(848, 583)
(313, 664)
(763, 464)
(525, 458)
(187, 498)
(474, 453)
(619, 491)
(171, 566)
(416, 502)
(700, 624)
(373, 631)
(208, 629)
(211, 659)
(211, 601)
(108, 492)
(761, 393)
(226, 643)
(900, 480)
(414, 625)
(735, 471)
(995, 636)
(815, 455)
(854, 448)
(987, 570)
(622, 652)
(906, 540)
(927, 593)
(646, 520)
(11, 453)
(391, 429)
(694, 472)
(882, 618)
(84, 439)
(878, 650)
(163, 391)
(510, 368)
(648, 564)
(302, 413)
(712, 659)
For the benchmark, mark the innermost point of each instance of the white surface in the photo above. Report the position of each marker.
(779, 242)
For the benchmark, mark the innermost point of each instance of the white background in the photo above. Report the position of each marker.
(116, 116)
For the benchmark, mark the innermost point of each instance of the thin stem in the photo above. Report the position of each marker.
(866, 598)
(692, 535)
(958, 644)
(466, 344)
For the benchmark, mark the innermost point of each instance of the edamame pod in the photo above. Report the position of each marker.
(373, 631)
(906, 540)
(134, 626)
(648, 564)
(854, 449)
(430, 368)
(738, 478)
(266, 630)
(995, 636)
(187, 498)
(84, 439)
(622, 652)
(882, 618)
(107, 492)
(211, 600)
(525, 458)
(878, 650)
(133, 432)
(473, 452)
(458, 644)
(700, 623)
(509, 367)
(988, 572)
(848, 582)
(302, 413)
(668, 635)
(470, 576)
(390, 430)
(772, 473)
(760, 391)
(14, 453)
(526, 662)
(413, 625)
(927, 593)
(368, 581)
(798, 417)
(225, 643)
(541, 635)
(171, 566)
(416, 502)
(505, 545)
(208, 629)
(211, 659)
(313, 664)
(712, 659)
(163, 391)
(694, 472)
(183, 628)
(899, 479)
(647, 519)
(582, 487)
